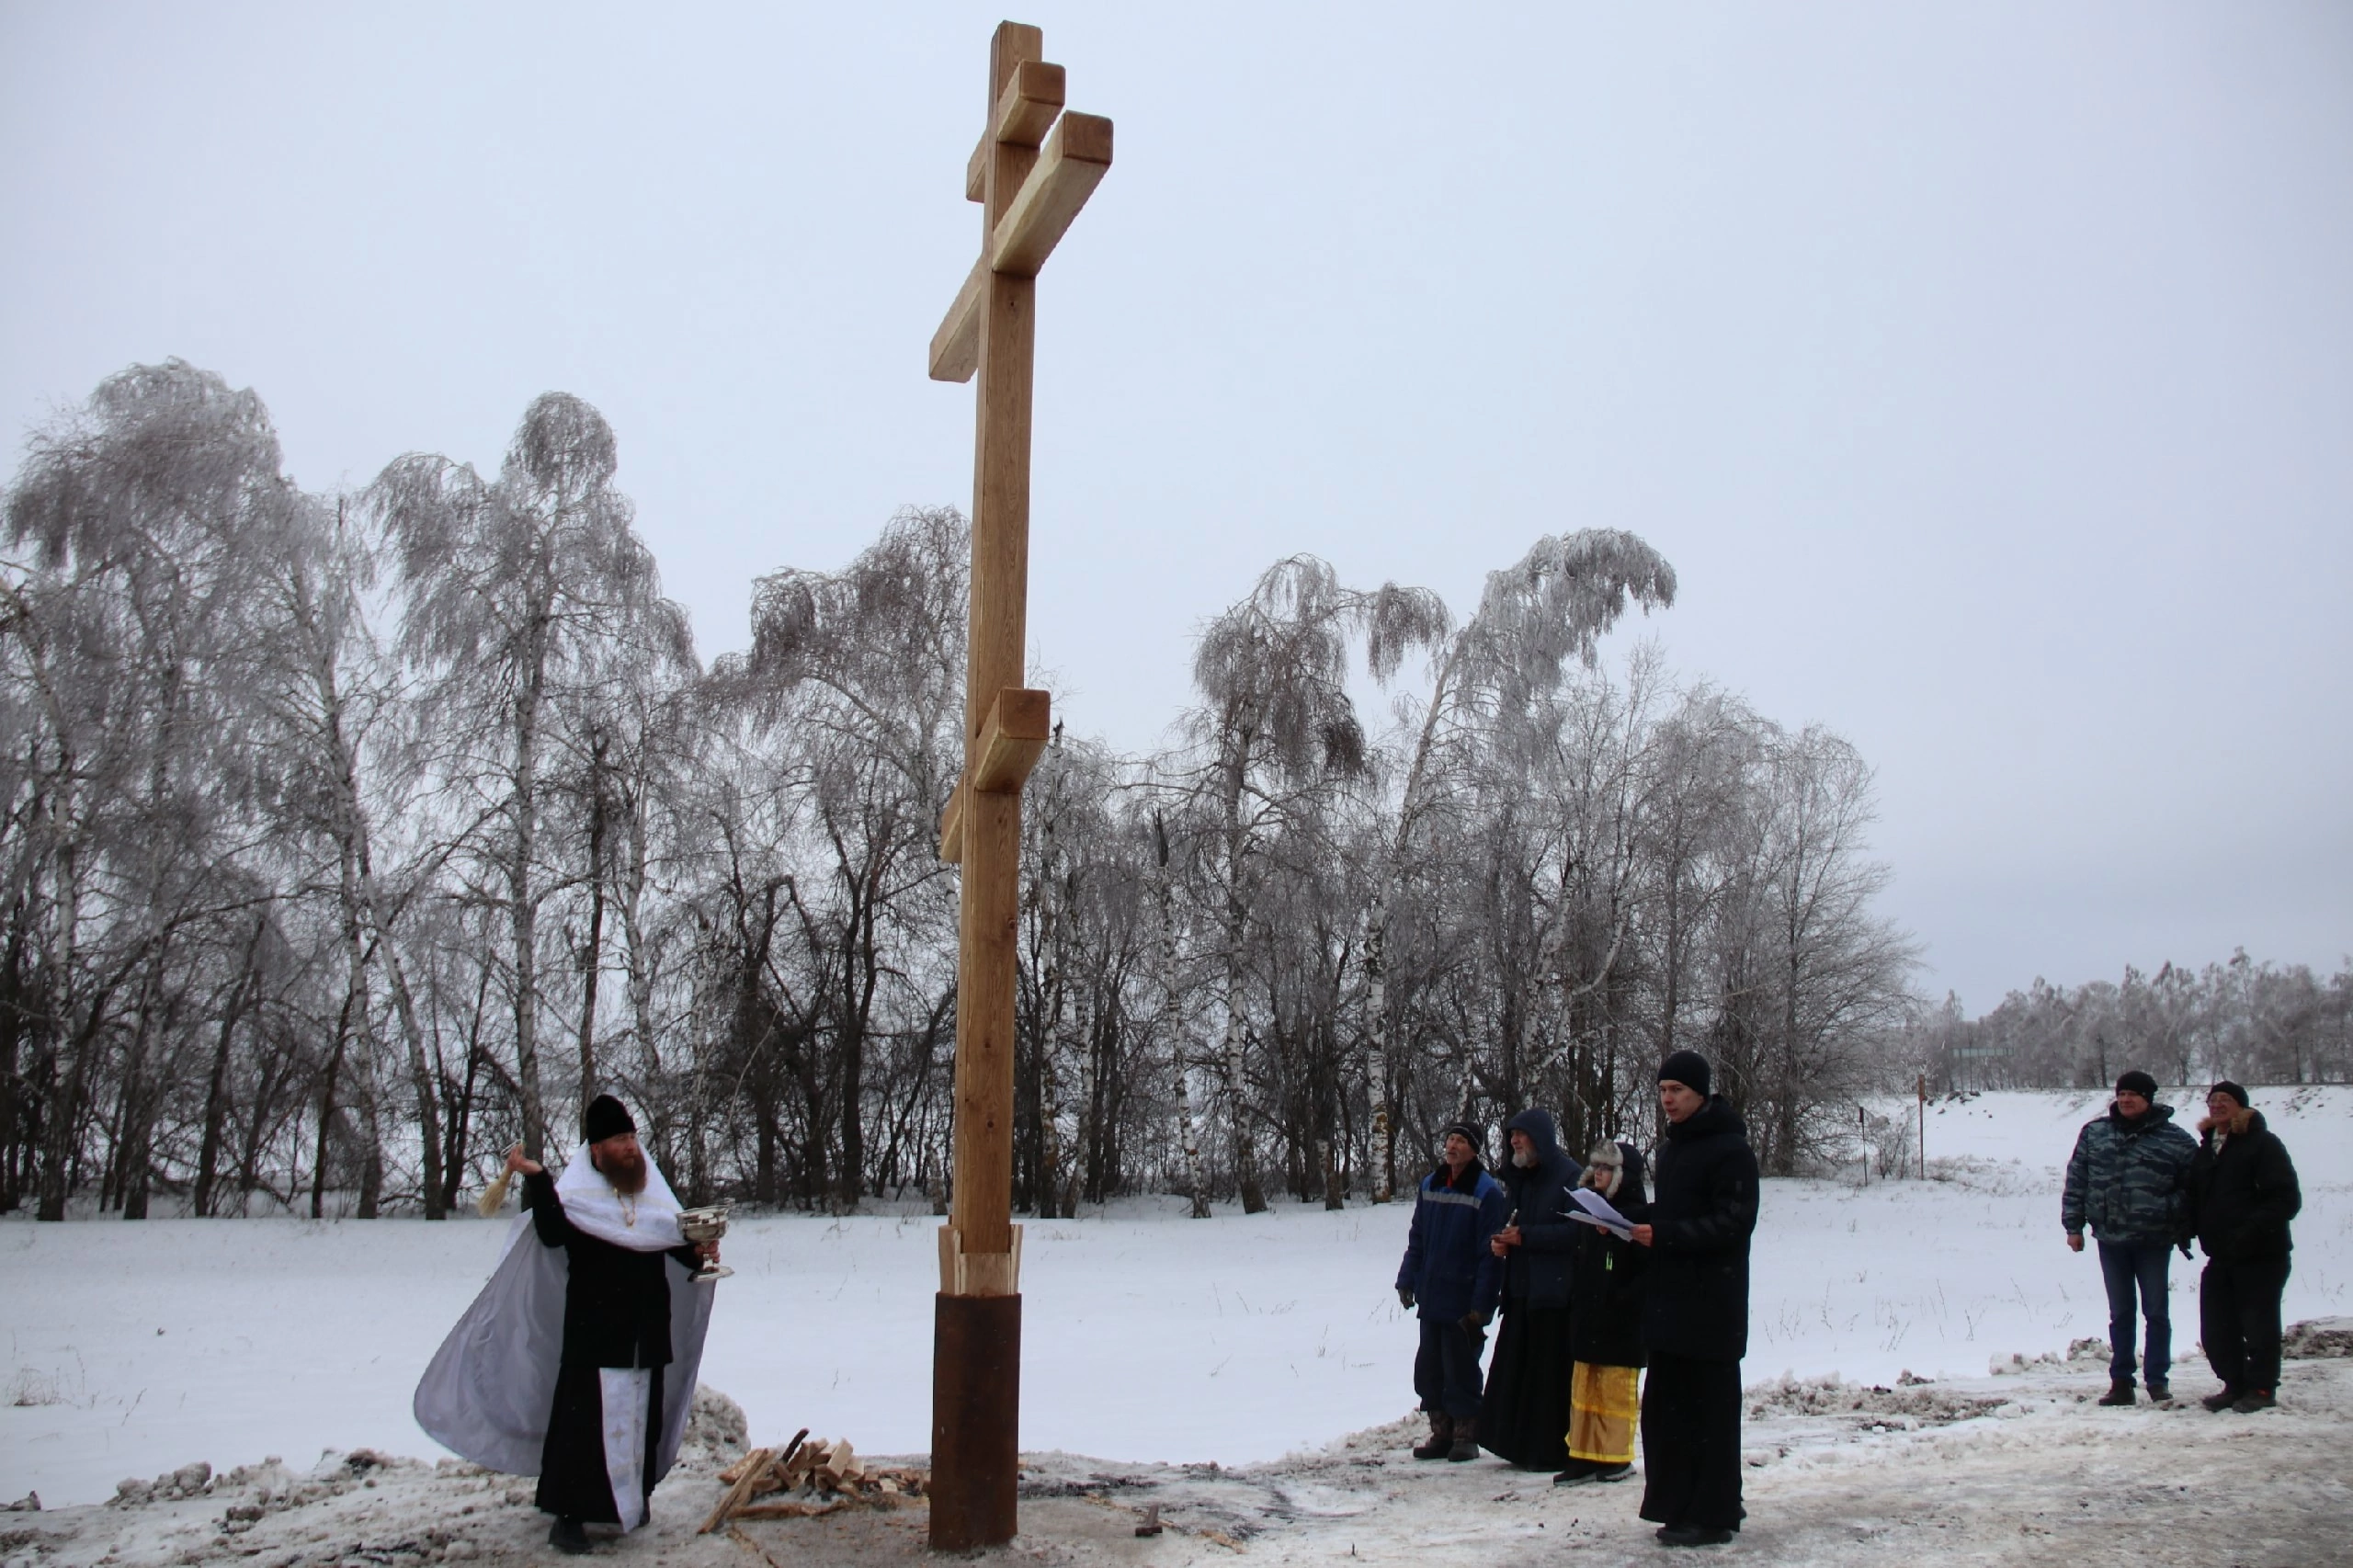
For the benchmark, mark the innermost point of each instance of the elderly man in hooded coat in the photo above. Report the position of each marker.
(1525, 1417)
(577, 1361)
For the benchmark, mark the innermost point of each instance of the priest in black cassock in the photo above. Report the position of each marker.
(577, 1363)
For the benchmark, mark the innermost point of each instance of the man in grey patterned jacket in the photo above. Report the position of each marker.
(2127, 1179)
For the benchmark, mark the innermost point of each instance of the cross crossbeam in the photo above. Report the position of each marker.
(1025, 112)
(1073, 165)
(1012, 739)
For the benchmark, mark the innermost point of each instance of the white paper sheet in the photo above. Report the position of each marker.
(1598, 1210)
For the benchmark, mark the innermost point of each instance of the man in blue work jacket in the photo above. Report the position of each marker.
(1453, 1277)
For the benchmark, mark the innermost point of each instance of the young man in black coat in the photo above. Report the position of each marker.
(1695, 1308)
(1606, 1326)
(2243, 1192)
(1524, 1418)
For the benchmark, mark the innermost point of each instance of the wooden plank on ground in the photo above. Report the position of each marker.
(755, 1469)
(756, 1464)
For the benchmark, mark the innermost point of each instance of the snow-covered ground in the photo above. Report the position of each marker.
(2021, 1470)
(134, 1349)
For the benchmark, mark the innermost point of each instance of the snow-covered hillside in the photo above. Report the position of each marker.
(134, 1349)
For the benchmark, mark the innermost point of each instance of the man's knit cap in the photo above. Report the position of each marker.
(1474, 1136)
(1688, 1068)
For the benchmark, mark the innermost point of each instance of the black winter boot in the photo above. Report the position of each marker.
(1693, 1535)
(2119, 1393)
(2220, 1400)
(567, 1536)
(1441, 1438)
(1466, 1440)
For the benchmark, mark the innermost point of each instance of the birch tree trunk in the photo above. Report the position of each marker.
(522, 899)
(1237, 929)
(1172, 1030)
(592, 960)
(216, 1093)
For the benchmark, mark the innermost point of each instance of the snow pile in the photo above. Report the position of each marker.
(1906, 1407)
(2081, 1355)
(188, 1481)
(2323, 1336)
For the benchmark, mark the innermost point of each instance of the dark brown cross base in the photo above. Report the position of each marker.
(975, 1436)
(1033, 170)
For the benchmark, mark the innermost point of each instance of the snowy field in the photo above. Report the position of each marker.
(134, 1349)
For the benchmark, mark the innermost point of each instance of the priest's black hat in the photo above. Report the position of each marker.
(1688, 1068)
(607, 1118)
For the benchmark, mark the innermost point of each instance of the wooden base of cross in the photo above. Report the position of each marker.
(1034, 169)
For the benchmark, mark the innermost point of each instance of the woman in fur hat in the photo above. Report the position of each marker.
(1606, 1326)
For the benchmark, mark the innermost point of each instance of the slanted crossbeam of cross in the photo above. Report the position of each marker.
(1033, 171)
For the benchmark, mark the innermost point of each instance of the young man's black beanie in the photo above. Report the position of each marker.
(1688, 1068)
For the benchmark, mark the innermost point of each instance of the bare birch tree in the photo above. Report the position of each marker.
(518, 591)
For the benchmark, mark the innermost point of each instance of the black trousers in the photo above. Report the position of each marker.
(1691, 1443)
(1524, 1416)
(574, 1480)
(1446, 1368)
(2238, 1317)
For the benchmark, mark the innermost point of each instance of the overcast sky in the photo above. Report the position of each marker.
(1985, 371)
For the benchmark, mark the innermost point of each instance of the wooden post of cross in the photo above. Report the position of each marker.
(1033, 170)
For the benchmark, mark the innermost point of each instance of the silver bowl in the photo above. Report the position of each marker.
(705, 1225)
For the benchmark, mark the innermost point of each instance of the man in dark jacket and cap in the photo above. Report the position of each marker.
(2127, 1178)
(1605, 1325)
(2243, 1192)
(1695, 1308)
(1452, 1277)
(1525, 1417)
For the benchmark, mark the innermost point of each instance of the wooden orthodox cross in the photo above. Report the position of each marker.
(1033, 170)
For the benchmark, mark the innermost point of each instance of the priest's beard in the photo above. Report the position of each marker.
(626, 1172)
(1524, 1158)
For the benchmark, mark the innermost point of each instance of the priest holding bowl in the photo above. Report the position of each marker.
(577, 1361)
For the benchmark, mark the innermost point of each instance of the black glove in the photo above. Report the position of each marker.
(1405, 1297)
(1474, 1322)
